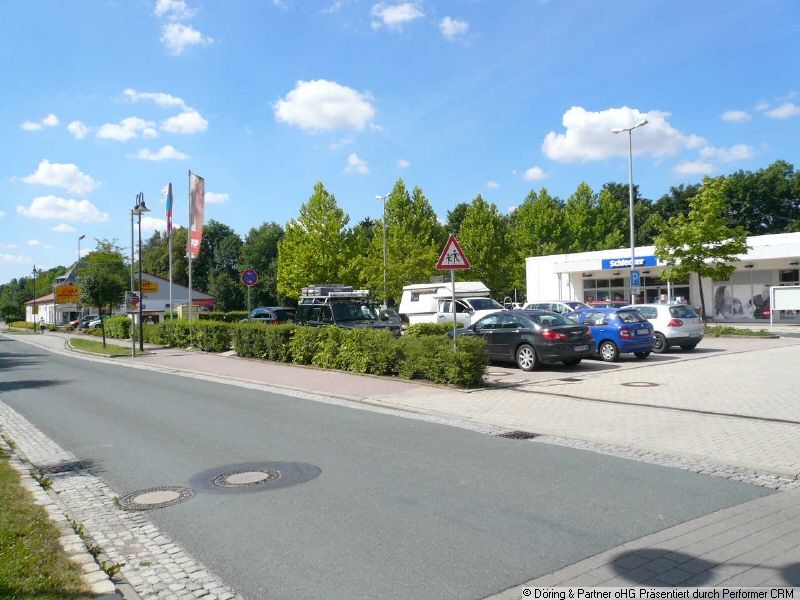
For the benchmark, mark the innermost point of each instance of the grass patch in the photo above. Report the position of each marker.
(32, 562)
(97, 348)
(718, 330)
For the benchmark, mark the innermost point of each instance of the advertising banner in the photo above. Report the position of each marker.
(197, 192)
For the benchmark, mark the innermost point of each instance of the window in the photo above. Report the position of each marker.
(789, 276)
(490, 322)
(551, 320)
(510, 322)
(415, 296)
(648, 312)
(461, 307)
(682, 312)
(485, 304)
(599, 318)
(630, 316)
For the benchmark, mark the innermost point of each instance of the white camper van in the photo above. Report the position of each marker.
(432, 303)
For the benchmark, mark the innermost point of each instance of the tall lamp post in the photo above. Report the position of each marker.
(77, 268)
(33, 310)
(629, 130)
(385, 289)
(139, 209)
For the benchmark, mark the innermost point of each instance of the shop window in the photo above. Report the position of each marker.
(617, 283)
(789, 275)
(602, 283)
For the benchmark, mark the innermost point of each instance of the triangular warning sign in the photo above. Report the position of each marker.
(452, 257)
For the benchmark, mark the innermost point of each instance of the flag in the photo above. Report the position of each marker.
(197, 192)
(167, 193)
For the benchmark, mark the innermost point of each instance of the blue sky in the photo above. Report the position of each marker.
(103, 99)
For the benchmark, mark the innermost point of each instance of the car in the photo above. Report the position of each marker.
(95, 322)
(532, 337)
(81, 323)
(617, 331)
(562, 307)
(273, 315)
(608, 304)
(390, 315)
(674, 325)
(348, 313)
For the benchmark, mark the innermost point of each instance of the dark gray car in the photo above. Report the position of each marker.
(347, 313)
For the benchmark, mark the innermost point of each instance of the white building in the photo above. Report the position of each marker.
(605, 275)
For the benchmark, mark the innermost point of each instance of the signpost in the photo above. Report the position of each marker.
(453, 259)
(249, 278)
(132, 300)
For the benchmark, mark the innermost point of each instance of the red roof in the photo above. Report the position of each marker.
(42, 300)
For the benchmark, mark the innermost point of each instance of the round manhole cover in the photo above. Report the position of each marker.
(157, 497)
(498, 373)
(246, 478)
(640, 384)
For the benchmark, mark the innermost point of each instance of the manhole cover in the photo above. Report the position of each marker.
(518, 435)
(245, 478)
(498, 373)
(642, 384)
(157, 497)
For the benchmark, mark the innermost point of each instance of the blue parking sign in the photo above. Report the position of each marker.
(635, 279)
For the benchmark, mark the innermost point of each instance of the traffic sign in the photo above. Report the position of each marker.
(249, 277)
(635, 279)
(452, 257)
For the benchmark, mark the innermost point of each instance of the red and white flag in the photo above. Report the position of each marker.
(197, 191)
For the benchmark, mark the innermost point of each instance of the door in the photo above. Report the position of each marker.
(487, 328)
(506, 335)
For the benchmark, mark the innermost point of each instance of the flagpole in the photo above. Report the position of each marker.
(189, 244)
(169, 249)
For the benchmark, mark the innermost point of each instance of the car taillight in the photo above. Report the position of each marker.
(675, 323)
(554, 336)
(625, 333)
(588, 334)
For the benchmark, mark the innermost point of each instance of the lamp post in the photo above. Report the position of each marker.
(385, 289)
(33, 310)
(77, 267)
(629, 130)
(139, 209)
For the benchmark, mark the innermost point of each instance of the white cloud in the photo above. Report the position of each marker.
(149, 133)
(492, 185)
(534, 174)
(49, 121)
(63, 175)
(14, 258)
(174, 10)
(178, 37)
(453, 28)
(153, 224)
(62, 209)
(356, 164)
(214, 198)
(78, 129)
(124, 130)
(165, 153)
(735, 116)
(63, 228)
(189, 121)
(697, 167)
(34, 243)
(762, 106)
(403, 164)
(322, 105)
(2, 214)
(394, 16)
(512, 209)
(588, 135)
(734, 153)
(787, 110)
(158, 98)
(48, 247)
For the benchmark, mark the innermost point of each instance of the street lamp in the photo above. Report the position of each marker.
(641, 123)
(385, 292)
(77, 267)
(33, 310)
(139, 209)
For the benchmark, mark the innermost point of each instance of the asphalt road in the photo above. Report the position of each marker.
(400, 509)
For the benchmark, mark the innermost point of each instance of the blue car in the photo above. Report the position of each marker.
(617, 331)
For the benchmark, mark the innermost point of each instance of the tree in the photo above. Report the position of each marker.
(455, 217)
(104, 278)
(580, 218)
(676, 202)
(702, 242)
(260, 252)
(536, 230)
(155, 256)
(314, 247)
(767, 201)
(484, 239)
(611, 222)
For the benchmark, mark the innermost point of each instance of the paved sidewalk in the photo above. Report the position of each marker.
(755, 544)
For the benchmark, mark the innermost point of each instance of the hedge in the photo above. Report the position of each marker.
(224, 317)
(418, 329)
(118, 327)
(209, 336)
(21, 324)
(259, 340)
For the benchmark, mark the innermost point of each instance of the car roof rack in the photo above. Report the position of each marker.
(325, 293)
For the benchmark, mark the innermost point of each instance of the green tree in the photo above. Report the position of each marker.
(260, 252)
(580, 218)
(104, 278)
(611, 222)
(767, 201)
(676, 202)
(484, 239)
(703, 242)
(536, 230)
(314, 248)
(155, 256)
(455, 217)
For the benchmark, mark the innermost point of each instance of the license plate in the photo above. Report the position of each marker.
(694, 335)
(581, 348)
(642, 331)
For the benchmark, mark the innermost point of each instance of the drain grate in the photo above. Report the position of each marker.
(156, 497)
(518, 435)
(640, 384)
(65, 467)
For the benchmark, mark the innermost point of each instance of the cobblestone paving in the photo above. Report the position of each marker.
(154, 566)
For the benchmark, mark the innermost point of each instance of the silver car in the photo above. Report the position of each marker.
(562, 307)
(674, 325)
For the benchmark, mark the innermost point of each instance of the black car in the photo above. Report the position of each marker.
(272, 315)
(530, 337)
(347, 313)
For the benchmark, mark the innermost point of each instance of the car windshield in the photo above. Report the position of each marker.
(284, 315)
(485, 304)
(630, 316)
(682, 312)
(353, 311)
(576, 305)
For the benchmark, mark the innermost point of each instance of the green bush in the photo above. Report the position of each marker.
(21, 325)
(118, 327)
(304, 344)
(153, 334)
(225, 317)
(369, 351)
(210, 336)
(259, 340)
(51, 327)
(176, 333)
(418, 329)
(432, 357)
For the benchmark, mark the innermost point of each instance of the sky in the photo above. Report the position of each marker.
(104, 99)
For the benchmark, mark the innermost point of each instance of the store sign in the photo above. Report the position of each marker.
(149, 287)
(67, 293)
(625, 263)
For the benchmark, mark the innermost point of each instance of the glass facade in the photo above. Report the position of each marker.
(746, 296)
(652, 289)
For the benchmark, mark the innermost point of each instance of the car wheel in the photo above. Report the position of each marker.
(660, 345)
(526, 357)
(571, 362)
(609, 352)
(688, 346)
(643, 354)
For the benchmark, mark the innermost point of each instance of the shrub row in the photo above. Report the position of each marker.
(418, 329)
(225, 317)
(21, 324)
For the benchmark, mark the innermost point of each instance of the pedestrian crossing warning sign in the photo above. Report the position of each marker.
(452, 257)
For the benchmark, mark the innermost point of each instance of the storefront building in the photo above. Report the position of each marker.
(772, 260)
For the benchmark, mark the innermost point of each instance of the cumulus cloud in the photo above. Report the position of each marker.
(588, 135)
(62, 209)
(322, 105)
(34, 243)
(215, 198)
(78, 129)
(63, 175)
(14, 258)
(158, 98)
(49, 121)
(356, 164)
(697, 167)
(125, 130)
(492, 185)
(150, 224)
(63, 228)
(403, 163)
(534, 174)
(735, 116)
(787, 110)
(394, 16)
(175, 10)
(734, 153)
(189, 121)
(452, 29)
(178, 38)
(165, 153)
